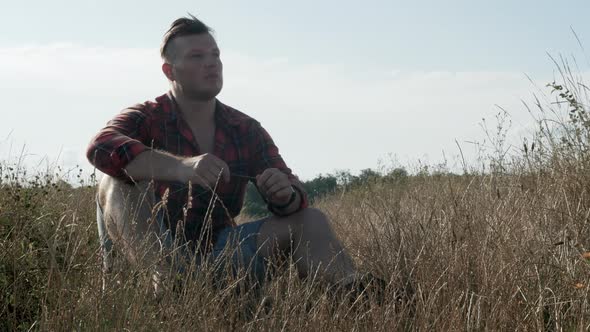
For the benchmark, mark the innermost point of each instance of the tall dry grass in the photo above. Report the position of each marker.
(500, 249)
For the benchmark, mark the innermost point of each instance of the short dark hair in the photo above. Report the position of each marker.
(183, 26)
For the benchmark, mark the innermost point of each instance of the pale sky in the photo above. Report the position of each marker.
(338, 84)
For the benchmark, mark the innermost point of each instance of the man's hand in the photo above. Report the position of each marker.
(275, 186)
(203, 170)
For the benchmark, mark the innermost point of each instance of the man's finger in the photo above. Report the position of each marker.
(262, 178)
(226, 173)
(276, 188)
(202, 180)
(214, 174)
(282, 195)
(211, 179)
(217, 165)
(275, 177)
(221, 166)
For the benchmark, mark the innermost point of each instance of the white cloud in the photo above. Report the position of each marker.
(324, 117)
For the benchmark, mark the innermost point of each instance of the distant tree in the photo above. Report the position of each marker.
(316, 188)
(396, 175)
(368, 175)
(398, 172)
(320, 186)
(344, 178)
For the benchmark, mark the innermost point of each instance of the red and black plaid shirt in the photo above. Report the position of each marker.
(240, 141)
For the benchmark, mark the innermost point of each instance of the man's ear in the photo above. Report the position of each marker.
(167, 70)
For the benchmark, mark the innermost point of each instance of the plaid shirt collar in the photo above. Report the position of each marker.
(223, 114)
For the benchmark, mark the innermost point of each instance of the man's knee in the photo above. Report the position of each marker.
(310, 219)
(124, 205)
(293, 232)
(314, 214)
(123, 202)
(303, 226)
(112, 190)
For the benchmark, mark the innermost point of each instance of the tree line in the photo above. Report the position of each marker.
(322, 185)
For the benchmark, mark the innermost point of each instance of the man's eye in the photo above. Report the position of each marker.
(197, 56)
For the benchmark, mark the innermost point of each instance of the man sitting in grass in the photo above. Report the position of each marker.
(200, 154)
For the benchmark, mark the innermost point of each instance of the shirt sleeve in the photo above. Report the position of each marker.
(266, 155)
(117, 144)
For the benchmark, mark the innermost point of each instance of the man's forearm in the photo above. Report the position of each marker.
(154, 165)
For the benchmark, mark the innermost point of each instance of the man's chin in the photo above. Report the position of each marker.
(204, 95)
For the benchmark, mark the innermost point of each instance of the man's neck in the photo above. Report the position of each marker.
(195, 111)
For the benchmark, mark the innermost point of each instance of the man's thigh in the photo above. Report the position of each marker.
(281, 235)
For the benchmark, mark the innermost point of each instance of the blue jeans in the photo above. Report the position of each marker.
(237, 244)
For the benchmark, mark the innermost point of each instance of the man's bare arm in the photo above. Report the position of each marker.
(162, 166)
(155, 165)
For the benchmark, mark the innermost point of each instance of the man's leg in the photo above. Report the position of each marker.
(312, 244)
(106, 244)
(132, 224)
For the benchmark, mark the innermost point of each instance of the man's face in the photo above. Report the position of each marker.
(196, 66)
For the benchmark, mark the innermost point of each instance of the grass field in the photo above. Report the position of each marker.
(500, 248)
